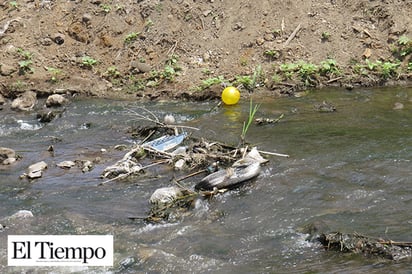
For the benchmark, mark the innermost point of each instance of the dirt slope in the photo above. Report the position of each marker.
(185, 49)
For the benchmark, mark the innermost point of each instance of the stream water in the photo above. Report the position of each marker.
(350, 169)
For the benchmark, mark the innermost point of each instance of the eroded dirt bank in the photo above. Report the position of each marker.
(188, 49)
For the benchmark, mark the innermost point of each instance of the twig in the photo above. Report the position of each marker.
(334, 79)
(190, 175)
(292, 35)
(162, 153)
(155, 120)
(273, 153)
(172, 49)
(179, 126)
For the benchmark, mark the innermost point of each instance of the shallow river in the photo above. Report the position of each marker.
(350, 169)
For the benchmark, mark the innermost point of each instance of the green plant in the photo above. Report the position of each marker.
(370, 65)
(149, 23)
(271, 54)
(388, 69)
(169, 73)
(207, 83)
(257, 74)
(252, 111)
(106, 8)
(13, 4)
(136, 84)
(288, 69)
(243, 61)
(112, 72)
(119, 7)
(325, 36)
(27, 55)
(405, 45)
(329, 67)
(206, 71)
(359, 69)
(131, 37)
(54, 73)
(25, 66)
(244, 80)
(410, 66)
(307, 71)
(88, 62)
(249, 82)
(276, 78)
(172, 60)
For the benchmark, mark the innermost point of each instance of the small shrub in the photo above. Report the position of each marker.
(25, 66)
(112, 72)
(88, 62)
(329, 67)
(54, 72)
(131, 37)
(106, 8)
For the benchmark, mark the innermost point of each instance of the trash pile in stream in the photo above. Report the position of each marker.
(224, 167)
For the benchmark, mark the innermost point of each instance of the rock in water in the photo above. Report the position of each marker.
(7, 156)
(66, 164)
(36, 170)
(55, 100)
(22, 214)
(25, 101)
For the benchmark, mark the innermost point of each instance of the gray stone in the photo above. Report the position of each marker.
(66, 164)
(55, 100)
(86, 18)
(25, 101)
(36, 170)
(143, 67)
(7, 70)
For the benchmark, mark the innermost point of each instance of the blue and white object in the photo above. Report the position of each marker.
(166, 142)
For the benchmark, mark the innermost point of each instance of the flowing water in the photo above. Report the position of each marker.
(350, 169)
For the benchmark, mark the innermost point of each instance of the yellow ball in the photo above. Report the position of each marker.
(230, 96)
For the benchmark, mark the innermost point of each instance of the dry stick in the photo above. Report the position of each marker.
(334, 80)
(292, 35)
(155, 120)
(190, 175)
(273, 153)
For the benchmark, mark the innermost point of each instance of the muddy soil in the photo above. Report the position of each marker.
(185, 49)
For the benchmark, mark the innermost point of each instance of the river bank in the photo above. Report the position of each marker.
(185, 50)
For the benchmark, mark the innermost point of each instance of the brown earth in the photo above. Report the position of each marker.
(178, 48)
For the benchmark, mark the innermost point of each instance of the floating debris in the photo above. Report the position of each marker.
(325, 107)
(230, 177)
(360, 244)
(169, 203)
(166, 143)
(264, 121)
